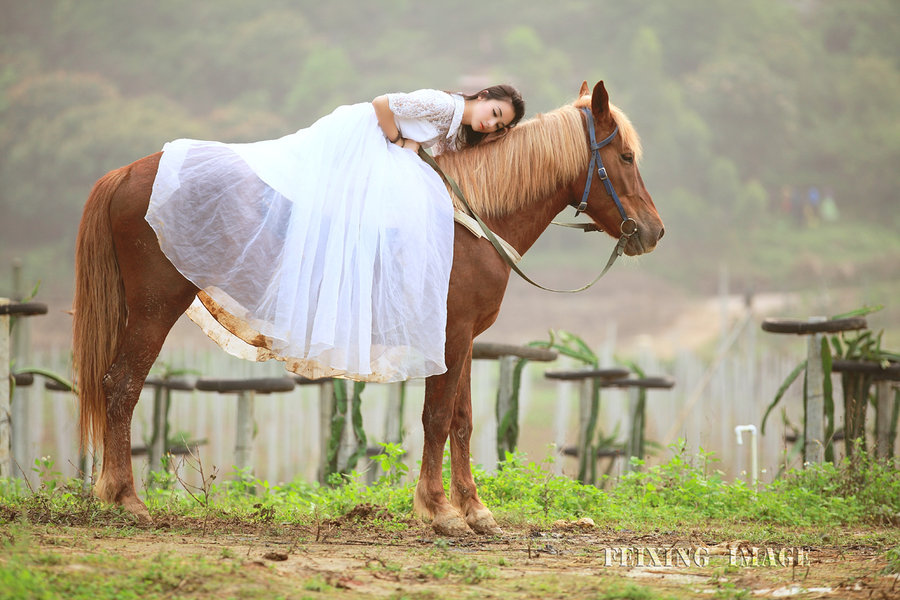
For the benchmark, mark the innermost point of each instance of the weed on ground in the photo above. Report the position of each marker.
(678, 530)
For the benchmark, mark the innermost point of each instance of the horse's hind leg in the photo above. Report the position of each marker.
(122, 384)
(156, 294)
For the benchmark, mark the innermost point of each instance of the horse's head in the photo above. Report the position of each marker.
(613, 175)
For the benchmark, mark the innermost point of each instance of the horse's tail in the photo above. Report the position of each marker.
(99, 306)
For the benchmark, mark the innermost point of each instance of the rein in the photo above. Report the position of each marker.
(627, 228)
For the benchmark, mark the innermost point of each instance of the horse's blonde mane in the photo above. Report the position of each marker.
(531, 162)
(626, 129)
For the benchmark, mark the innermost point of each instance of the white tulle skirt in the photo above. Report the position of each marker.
(329, 248)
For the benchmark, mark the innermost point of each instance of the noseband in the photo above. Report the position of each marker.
(628, 227)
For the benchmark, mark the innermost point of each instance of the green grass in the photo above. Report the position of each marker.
(686, 490)
(26, 572)
(466, 570)
(689, 490)
(59, 542)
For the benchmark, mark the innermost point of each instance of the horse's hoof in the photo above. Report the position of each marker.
(139, 511)
(134, 506)
(451, 526)
(488, 527)
(483, 522)
(129, 501)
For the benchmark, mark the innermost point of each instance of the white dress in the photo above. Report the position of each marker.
(329, 248)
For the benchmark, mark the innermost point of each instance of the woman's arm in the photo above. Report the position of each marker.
(389, 127)
(386, 120)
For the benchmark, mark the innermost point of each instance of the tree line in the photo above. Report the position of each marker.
(743, 107)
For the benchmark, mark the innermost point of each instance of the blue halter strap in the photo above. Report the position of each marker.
(628, 226)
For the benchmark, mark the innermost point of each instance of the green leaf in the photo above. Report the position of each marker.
(838, 346)
(580, 349)
(876, 346)
(48, 374)
(859, 312)
(781, 390)
(582, 345)
(633, 366)
(853, 345)
(34, 292)
(570, 353)
(565, 346)
(888, 355)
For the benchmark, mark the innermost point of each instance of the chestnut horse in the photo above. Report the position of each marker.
(128, 295)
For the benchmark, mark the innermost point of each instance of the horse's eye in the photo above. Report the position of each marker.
(628, 157)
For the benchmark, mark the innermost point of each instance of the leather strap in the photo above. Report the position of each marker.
(617, 251)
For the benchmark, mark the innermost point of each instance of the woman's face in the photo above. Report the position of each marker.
(490, 115)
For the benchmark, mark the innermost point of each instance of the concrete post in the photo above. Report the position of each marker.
(635, 443)
(19, 405)
(326, 414)
(157, 448)
(883, 411)
(814, 449)
(243, 449)
(506, 408)
(585, 432)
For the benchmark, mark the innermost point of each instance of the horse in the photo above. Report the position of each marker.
(128, 295)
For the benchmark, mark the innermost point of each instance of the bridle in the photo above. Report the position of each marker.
(627, 228)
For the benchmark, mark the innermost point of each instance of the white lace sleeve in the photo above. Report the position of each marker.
(444, 145)
(435, 106)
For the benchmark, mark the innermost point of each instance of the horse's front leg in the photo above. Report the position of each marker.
(463, 494)
(430, 501)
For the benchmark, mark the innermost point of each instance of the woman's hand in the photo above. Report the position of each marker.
(409, 145)
(386, 121)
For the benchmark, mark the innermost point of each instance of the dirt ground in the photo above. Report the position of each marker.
(366, 554)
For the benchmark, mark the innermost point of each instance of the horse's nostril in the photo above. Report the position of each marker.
(662, 232)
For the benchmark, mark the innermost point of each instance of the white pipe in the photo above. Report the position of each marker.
(754, 465)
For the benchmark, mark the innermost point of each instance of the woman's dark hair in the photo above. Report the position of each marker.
(470, 137)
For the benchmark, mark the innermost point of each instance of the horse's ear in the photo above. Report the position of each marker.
(584, 90)
(600, 102)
